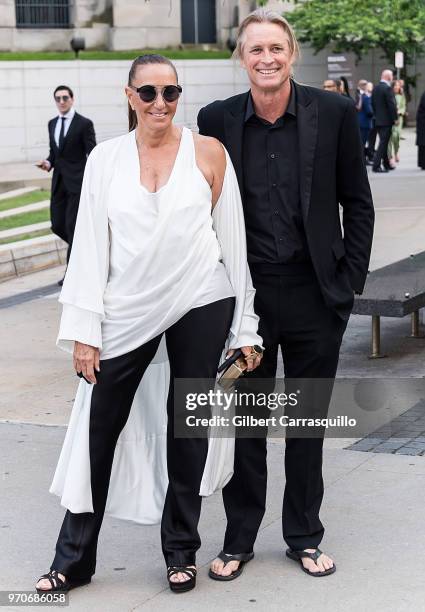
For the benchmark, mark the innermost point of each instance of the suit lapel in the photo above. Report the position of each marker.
(52, 128)
(233, 127)
(307, 123)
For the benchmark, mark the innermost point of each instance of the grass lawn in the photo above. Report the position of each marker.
(23, 200)
(188, 54)
(28, 218)
(26, 236)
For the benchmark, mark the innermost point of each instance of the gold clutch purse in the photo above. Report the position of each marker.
(234, 367)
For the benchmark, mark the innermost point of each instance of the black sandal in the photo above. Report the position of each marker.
(297, 555)
(58, 584)
(242, 557)
(187, 585)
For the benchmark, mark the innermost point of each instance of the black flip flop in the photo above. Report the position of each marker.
(242, 557)
(297, 555)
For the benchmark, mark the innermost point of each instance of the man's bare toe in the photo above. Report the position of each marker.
(217, 566)
(230, 567)
(310, 565)
(322, 564)
(326, 561)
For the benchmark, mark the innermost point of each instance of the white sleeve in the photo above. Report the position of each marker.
(79, 324)
(87, 272)
(229, 225)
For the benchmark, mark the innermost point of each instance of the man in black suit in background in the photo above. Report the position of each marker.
(71, 138)
(385, 110)
(298, 155)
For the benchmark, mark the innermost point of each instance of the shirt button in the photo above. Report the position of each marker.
(281, 239)
(273, 184)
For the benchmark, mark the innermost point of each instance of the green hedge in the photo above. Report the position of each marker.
(187, 54)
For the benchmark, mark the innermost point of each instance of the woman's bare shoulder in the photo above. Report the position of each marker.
(209, 149)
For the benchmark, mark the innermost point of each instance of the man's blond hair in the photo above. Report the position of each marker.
(263, 15)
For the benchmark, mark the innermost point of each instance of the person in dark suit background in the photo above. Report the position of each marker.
(373, 131)
(385, 111)
(298, 155)
(364, 113)
(420, 132)
(71, 138)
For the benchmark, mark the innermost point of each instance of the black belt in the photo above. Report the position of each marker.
(296, 267)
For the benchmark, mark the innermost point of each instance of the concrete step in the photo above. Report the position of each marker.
(25, 229)
(23, 209)
(17, 192)
(26, 256)
(7, 184)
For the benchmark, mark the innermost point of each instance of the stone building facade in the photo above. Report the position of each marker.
(49, 25)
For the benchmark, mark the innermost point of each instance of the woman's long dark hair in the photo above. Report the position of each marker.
(143, 60)
(346, 87)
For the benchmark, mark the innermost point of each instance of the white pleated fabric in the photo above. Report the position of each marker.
(139, 262)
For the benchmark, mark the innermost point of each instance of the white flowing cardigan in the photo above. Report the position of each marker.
(139, 473)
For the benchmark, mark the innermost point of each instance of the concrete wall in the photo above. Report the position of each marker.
(140, 24)
(45, 39)
(26, 102)
(85, 12)
(7, 14)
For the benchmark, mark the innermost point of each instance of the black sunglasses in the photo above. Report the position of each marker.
(149, 93)
(64, 98)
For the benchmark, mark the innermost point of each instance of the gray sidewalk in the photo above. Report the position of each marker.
(373, 505)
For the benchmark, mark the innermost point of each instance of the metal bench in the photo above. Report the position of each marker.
(395, 290)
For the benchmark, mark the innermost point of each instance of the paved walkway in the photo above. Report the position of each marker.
(373, 507)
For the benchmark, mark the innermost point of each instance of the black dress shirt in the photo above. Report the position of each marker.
(274, 224)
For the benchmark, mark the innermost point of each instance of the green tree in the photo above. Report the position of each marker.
(362, 25)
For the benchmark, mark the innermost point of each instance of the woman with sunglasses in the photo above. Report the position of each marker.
(158, 268)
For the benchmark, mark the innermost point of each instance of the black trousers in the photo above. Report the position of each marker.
(194, 346)
(364, 133)
(294, 317)
(381, 154)
(371, 142)
(63, 213)
(421, 156)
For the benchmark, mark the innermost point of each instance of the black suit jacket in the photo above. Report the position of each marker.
(420, 122)
(69, 161)
(332, 172)
(384, 105)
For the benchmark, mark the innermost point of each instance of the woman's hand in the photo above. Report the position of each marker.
(86, 360)
(251, 356)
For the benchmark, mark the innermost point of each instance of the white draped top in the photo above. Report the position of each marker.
(139, 262)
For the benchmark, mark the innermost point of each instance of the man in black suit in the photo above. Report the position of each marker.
(385, 111)
(298, 155)
(71, 138)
